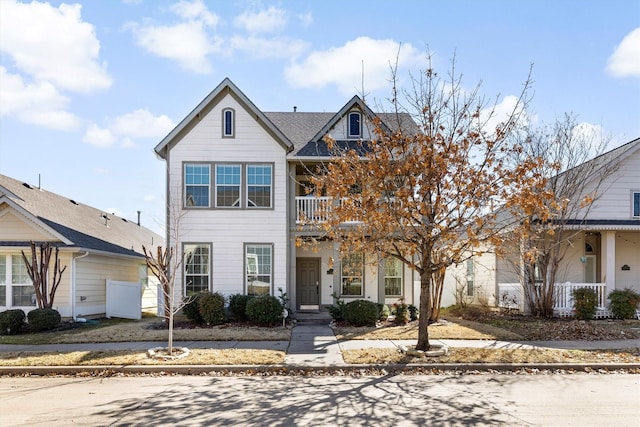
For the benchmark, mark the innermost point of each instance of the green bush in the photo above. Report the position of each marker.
(264, 310)
(623, 303)
(43, 319)
(361, 313)
(191, 308)
(337, 309)
(211, 307)
(384, 311)
(584, 303)
(12, 322)
(413, 312)
(402, 313)
(238, 306)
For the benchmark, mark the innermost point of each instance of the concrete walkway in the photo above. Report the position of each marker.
(313, 345)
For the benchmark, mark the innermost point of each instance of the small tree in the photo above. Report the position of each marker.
(38, 270)
(427, 196)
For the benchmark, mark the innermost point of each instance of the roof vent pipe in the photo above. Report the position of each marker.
(295, 108)
(138, 218)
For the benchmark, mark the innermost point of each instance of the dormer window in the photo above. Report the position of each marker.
(355, 125)
(228, 123)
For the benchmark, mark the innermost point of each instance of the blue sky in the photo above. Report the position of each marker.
(87, 89)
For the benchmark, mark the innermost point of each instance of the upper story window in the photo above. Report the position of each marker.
(636, 204)
(228, 123)
(228, 186)
(259, 186)
(355, 125)
(197, 179)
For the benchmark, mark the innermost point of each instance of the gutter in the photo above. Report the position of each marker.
(73, 283)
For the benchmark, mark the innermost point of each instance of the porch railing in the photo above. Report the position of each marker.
(510, 297)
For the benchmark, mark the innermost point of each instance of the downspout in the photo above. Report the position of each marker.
(73, 284)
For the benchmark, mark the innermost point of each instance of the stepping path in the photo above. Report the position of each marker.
(313, 345)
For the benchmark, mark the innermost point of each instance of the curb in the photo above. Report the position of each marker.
(298, 370)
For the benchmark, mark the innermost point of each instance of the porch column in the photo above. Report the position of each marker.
(608, 255)
(292, 253)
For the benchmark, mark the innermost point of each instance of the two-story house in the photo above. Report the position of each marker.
(238, 198)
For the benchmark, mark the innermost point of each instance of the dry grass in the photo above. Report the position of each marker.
(474, 355)
(443, 330)
(137, 357)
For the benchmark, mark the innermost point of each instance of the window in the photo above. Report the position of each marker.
(3, 280)
(352, 273)
(228, 186)
(228, 123)
(197, 182)
(636, 204)
(355, 125)
(258, 267)
(259, 186)
(470, 277)
(196, 263)
(393, 269)
(23, 293)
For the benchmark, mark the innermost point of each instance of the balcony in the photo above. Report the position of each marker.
(311, 210)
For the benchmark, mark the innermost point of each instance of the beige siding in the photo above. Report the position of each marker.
(92, 273)
(341, 129)
(628, 253)
(614, 200)
(15, 228)
(228, 230)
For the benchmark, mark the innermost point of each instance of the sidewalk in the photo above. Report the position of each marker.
(316, 345)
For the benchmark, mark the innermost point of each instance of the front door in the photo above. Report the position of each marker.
(308, 283)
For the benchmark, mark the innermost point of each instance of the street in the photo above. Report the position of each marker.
(392, 400)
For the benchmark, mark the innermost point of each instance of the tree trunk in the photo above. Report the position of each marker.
(425, 310)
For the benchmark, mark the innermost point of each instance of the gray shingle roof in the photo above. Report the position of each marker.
(82, 225)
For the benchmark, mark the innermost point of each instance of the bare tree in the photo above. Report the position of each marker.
(573, 183)
(165, 265)
(38, 270)
(428, 196)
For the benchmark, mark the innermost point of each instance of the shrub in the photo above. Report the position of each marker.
(584, 303)
(413, 312)
(337, 309)
(361, 313)
(191, 308)
(264, 310)
(12, 322)
(402, 313)
(238, 306)
(623, 303)
(384, 311)
(211, 307)
(43, 319)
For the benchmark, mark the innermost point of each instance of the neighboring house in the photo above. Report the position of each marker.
(95, 247)
(238, 186)
(604, 242)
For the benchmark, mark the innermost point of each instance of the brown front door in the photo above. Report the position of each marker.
(308, 282)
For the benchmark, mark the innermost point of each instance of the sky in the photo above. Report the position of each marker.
(88, 89)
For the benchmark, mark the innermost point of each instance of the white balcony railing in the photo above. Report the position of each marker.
(311, 210)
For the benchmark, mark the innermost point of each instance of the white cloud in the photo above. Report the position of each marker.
(149, 198)
(127, 127)
(268, 20)
(143, 124)
(99, 137)
(342, 66)
(306, 19)
(492, 116)
(53, 44)
(37, 103)
(188, 42)
(625, 60)
(259, 48)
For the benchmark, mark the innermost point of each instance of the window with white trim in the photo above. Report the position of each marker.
(197, 262)
(355, 125)
(258, 268)
(352, 274)
(470, 277)
(197, 181)
(228, 186)
(16, 289)
(635, 202)
(228, 123)
(393, 273)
